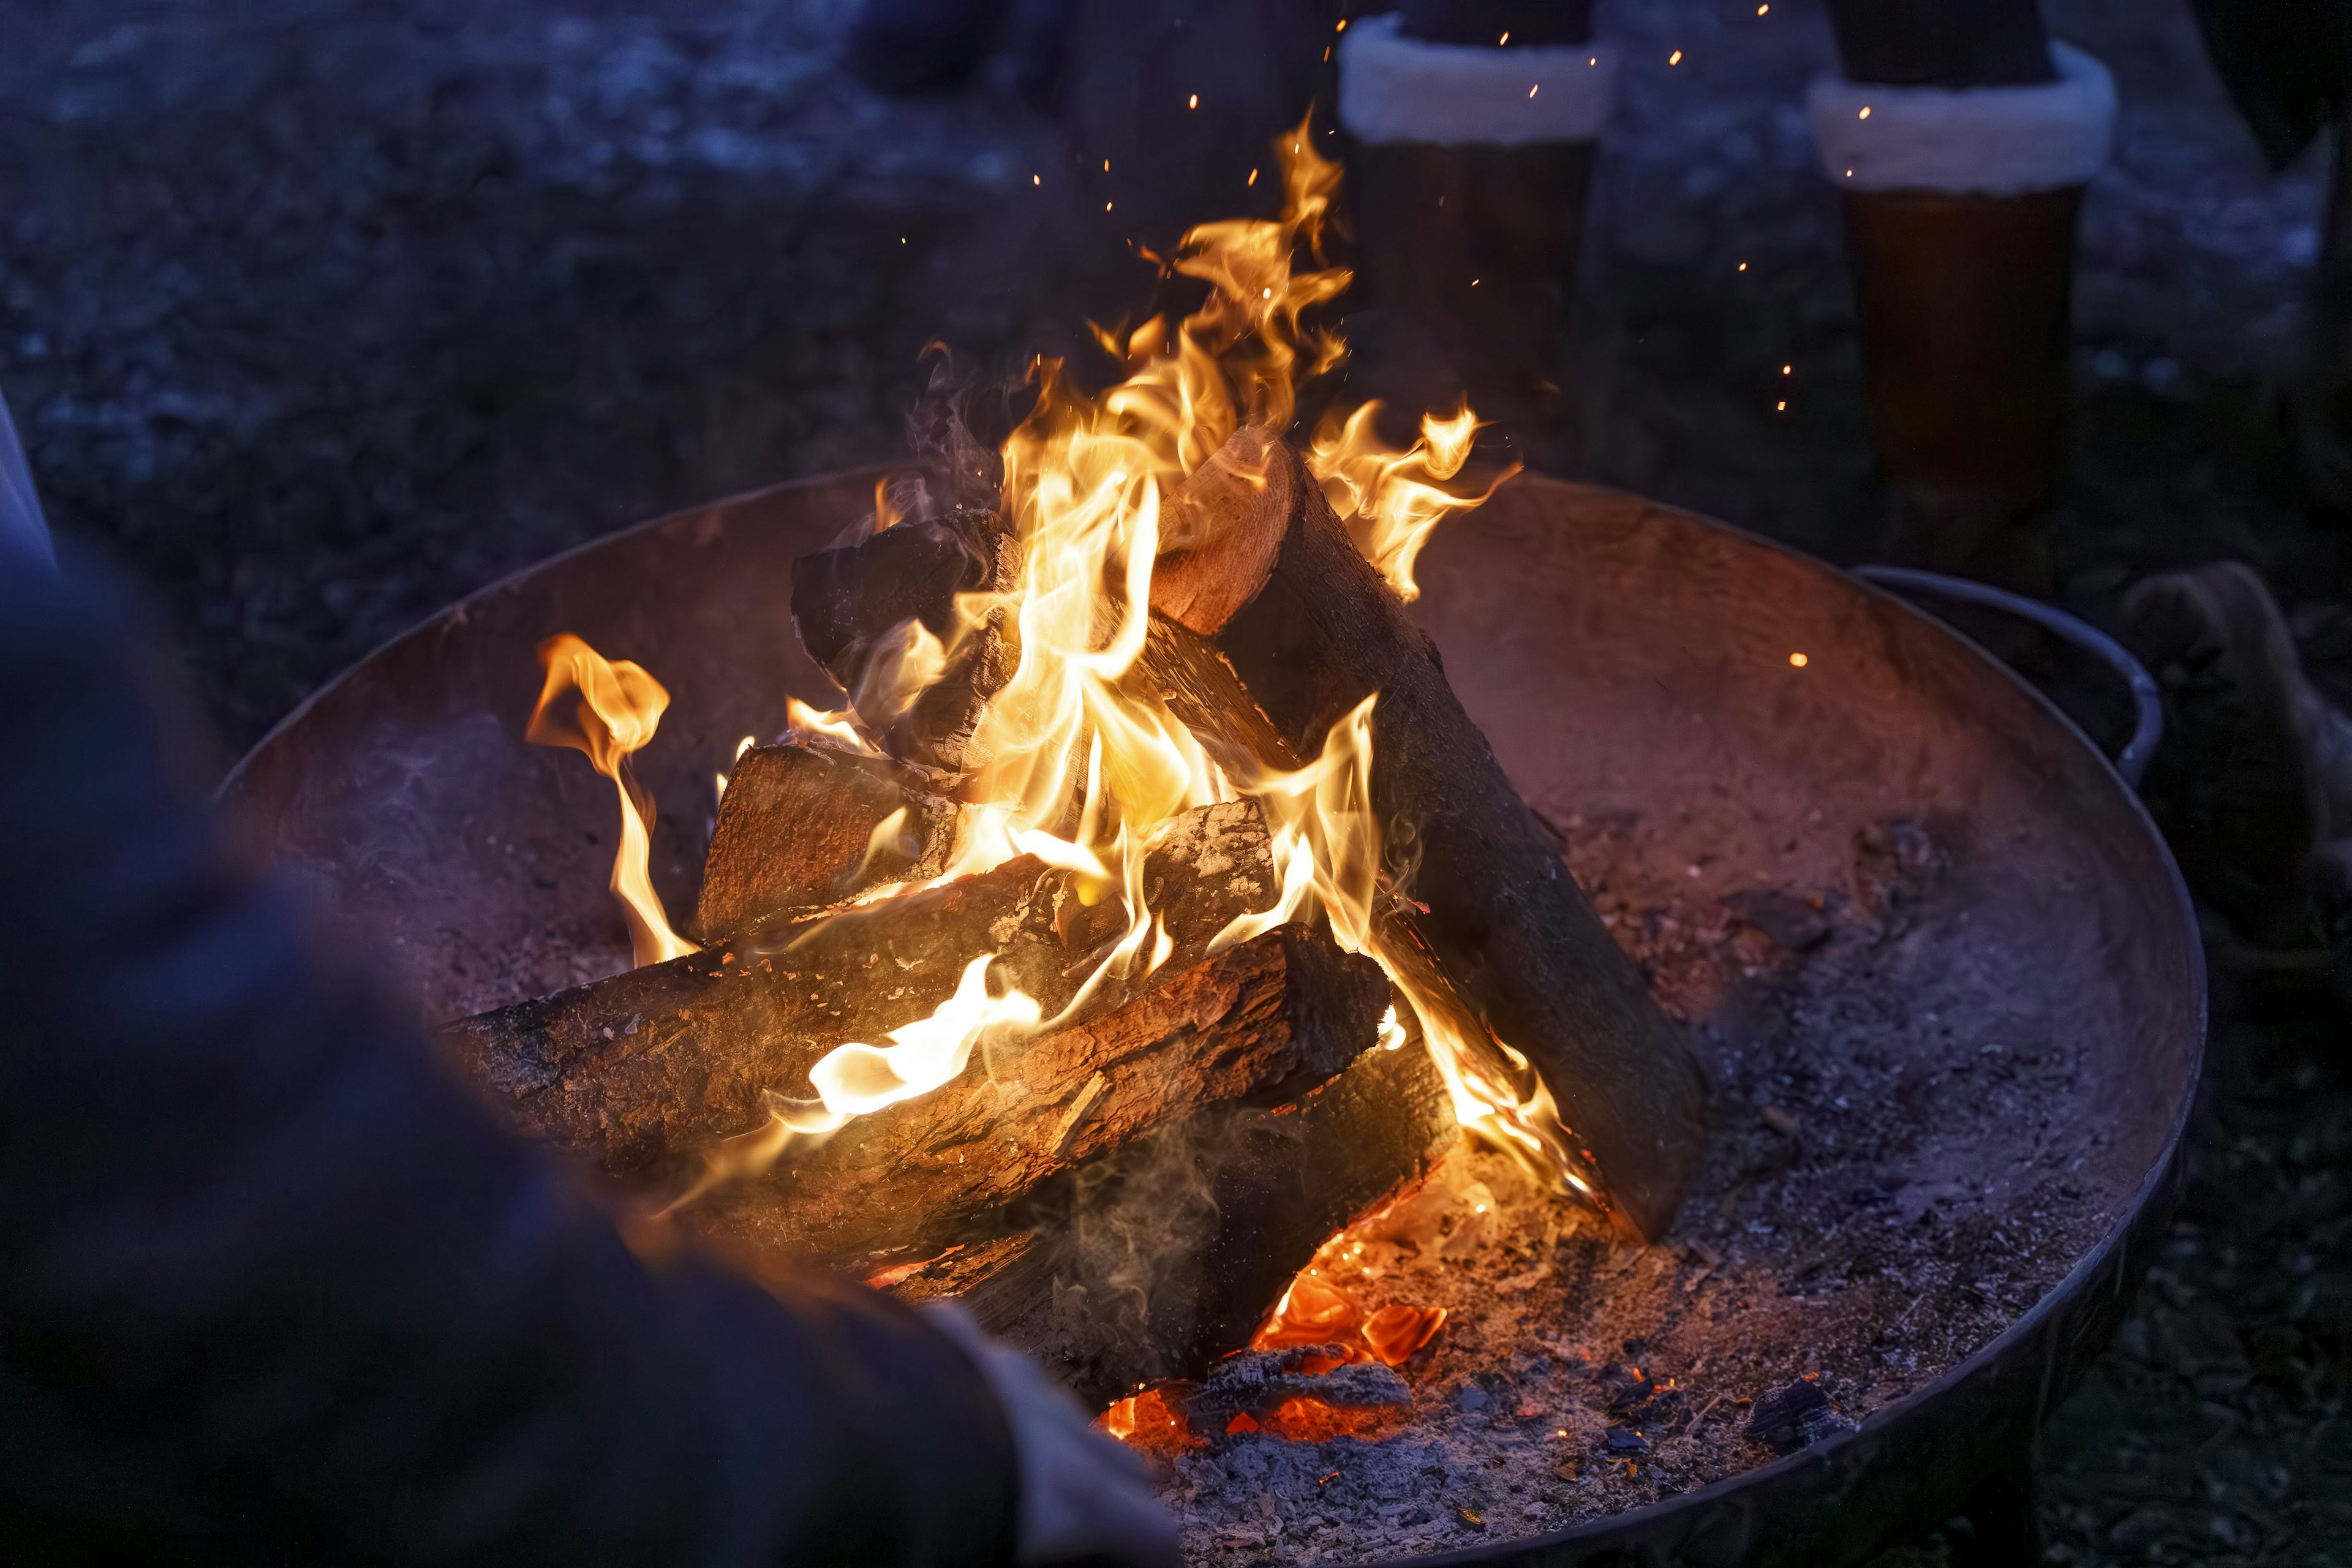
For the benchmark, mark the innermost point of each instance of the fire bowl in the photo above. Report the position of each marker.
(1754, 712)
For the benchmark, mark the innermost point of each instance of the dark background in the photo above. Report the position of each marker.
(322, 313)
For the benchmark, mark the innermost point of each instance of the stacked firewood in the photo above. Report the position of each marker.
(1128, 1191)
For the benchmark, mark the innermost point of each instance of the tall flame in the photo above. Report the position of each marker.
(619, 707)
(1393, 499)
(1083, 769)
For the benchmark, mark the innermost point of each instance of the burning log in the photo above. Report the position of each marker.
(805, 825)
(1127, 1194)
(1284, 1010)
(1270, 625)
(647, 1069)
(882, 617)
(1161, 1258)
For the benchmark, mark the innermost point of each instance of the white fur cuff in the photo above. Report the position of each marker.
(1395, 89)
(1984, 141)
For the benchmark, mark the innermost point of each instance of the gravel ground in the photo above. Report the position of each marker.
(320, 312)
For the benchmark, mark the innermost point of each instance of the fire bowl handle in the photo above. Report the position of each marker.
(2148, 727)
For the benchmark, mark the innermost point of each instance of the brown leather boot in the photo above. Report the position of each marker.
(1964, 307)
(1469, 194)
(2256, 766)
(1960, 209)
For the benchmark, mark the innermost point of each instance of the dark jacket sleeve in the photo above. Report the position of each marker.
(275, 1287)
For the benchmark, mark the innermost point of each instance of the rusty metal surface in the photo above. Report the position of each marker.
(1621, 655)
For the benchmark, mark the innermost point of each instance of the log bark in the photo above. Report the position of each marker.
(854, 607)
(807, 825)
(1261, 1020)
(643, 1071)
(1157, 1259)
(1281, 630)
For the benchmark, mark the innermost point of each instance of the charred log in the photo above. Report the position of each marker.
(1272, 626)
(643, 1071)
(803, 825)
(863, 611)
(1155, 1260)
(1257, 1023)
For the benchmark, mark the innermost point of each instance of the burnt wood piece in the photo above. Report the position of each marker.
(851, 605)
(646, 1068)
(1258, 1022)
(1155, 1260)
(1269, 586)
(805, 825)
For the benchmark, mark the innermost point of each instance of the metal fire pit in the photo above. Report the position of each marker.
(1623, 656)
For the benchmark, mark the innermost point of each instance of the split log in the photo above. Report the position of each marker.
(1270, 626)
(1157, 1259)
(644, 1071)
(806, 825)
(1266, 1018)
(856, 607)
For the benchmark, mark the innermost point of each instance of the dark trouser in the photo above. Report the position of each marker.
(1962, 301)
(2288, 66)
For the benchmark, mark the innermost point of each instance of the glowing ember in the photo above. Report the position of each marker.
(1396, 1331)
(1312, 1312)
(1148, 1420)
(1302, 1420)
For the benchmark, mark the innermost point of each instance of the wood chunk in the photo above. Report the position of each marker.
(806, 825)
(645, 1069)
(855, 606)
(1221, 530)
(1157, 1259)
(1266, 1018)
(1504, 921)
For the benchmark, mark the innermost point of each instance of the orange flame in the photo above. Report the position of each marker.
(1314, 1312)
(620, 706)
(1393, 499)
(1147, 1420)
(1074, 765)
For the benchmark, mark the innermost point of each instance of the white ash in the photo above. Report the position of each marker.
(1924, 1172)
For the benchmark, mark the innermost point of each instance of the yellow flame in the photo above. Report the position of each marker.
(1076, 766)
(1327, 844)
(858, 1079)
(1393, 499)
(834, 724)
(620, 706)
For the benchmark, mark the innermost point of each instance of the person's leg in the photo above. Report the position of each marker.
(2322, 397)
(2288, 67)
(1469, 192)
(1960, 142)
(1941, 43)
(914, 46)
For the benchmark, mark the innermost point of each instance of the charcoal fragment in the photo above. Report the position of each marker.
(1786, 920)
(1795, 1417)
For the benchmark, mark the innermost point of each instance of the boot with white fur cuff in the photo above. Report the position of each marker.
(1960, 209)
(1469, 172)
